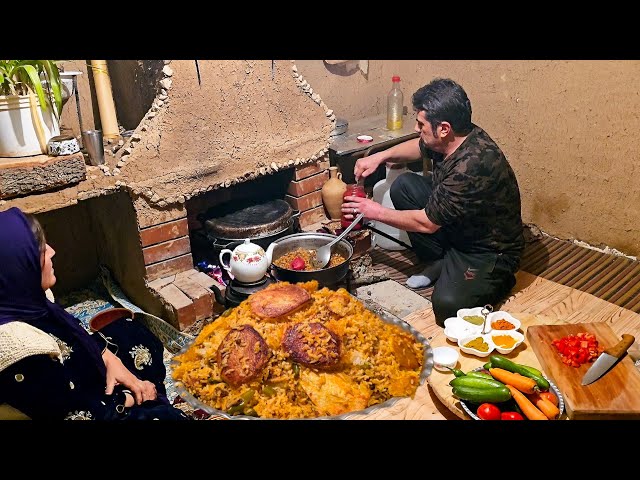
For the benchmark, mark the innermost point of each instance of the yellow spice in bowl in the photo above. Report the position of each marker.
(478, 343)
(504, 341)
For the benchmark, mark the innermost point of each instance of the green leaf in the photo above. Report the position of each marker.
(36, 85)
(55, 84)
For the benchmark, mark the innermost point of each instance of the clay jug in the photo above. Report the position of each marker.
(332, 192)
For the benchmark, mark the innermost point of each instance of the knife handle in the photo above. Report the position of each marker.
(622, 346)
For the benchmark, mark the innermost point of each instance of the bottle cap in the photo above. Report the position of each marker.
(364, 138)
(395, 78)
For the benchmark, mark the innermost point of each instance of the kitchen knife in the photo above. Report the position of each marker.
(607, 359)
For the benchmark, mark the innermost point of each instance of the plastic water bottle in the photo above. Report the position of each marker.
(395, 105)
(381, 194)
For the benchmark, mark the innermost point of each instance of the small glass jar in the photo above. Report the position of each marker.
(352, 190)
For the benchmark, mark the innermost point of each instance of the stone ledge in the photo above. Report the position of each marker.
(39, 173)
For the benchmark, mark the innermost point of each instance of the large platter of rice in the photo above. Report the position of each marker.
(382, 359)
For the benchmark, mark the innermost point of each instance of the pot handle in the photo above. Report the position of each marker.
(226, 266)
(295, 220)
(217, 293)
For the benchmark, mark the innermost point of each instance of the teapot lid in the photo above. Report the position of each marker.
(248, 247)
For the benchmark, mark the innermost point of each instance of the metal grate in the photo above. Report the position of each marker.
(609, 277)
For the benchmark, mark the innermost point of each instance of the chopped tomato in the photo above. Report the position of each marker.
(578, 349)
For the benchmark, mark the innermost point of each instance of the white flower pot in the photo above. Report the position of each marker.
(18, 137)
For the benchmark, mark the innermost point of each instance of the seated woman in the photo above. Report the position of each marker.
(50, 366)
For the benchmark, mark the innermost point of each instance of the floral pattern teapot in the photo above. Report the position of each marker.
(248, 262)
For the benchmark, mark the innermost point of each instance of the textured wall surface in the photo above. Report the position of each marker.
(568, 128)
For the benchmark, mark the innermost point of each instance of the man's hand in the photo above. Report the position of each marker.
(117, 373)
(353, 206)
(365, 166)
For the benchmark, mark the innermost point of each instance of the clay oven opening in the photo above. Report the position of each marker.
(223, 134)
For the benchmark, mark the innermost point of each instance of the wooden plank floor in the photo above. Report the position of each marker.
(534, 295)
(609, 277)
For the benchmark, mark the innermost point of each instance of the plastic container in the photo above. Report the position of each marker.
(444, 357)
(395, 100)
(353, 190)
(382, 196)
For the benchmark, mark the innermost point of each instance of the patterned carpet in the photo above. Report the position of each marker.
(609, 277)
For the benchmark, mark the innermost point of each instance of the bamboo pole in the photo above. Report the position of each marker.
(105, 99)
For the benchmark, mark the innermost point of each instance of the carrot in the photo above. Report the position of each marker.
(545, 405)
(528, 409)
(522, 383)
(549, 396)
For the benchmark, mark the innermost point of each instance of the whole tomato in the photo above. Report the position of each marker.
(488, 411)
(511, 416)
(298, 264)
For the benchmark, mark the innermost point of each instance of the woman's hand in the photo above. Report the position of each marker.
(365, 166)
(117, 373)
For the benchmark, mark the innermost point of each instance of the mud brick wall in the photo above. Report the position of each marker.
(304, 192)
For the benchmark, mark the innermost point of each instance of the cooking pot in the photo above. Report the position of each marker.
(326, 277)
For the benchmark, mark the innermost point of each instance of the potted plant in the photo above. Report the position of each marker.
(30, 106)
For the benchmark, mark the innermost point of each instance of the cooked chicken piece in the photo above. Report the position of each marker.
(242, 355)
(277, 300)
(340, 304)
(404, 354)
(334, 393)
(313, 345)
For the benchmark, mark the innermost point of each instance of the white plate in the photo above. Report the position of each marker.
(455, 327)
(493, 316)
(517, 336)
(475, 311)
(472, 351)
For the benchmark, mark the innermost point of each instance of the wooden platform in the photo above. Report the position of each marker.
(610, 277)
(534, 295)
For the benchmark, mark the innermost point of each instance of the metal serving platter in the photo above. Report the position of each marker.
(427, 366)
(471, 408)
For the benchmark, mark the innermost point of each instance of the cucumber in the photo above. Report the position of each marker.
(487, 366)
(535, 371)
(480, 375)
(475, 382)
(482, 395)
(524, 370)
(456, 372)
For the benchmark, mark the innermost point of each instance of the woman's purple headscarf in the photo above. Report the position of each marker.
(21, 295)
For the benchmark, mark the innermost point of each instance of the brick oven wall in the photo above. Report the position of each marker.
(166, 248)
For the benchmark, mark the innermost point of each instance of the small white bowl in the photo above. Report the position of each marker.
(476, 312)
(493, 316)
(472, 351)
(444, 357)
(455, 327)
(517, 336)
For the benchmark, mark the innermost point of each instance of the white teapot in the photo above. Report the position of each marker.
(249, 262)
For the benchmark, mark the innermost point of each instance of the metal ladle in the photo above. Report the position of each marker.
(486, 310)
(323, 254)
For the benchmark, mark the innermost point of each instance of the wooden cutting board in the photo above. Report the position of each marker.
(612, 396)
